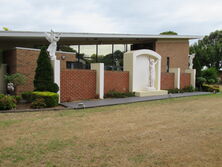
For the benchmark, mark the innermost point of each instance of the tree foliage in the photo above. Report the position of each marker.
(43, 80)
(208, 52)
(16, 79)
(168, 33)
(109, 59)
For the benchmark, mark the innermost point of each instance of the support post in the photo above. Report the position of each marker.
(57, 71)
(192, 73)
(97, 53)
(99, 67)
(176, 72)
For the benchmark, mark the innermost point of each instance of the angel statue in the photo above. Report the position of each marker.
(53, 38)
(152, 73)
(191, 57)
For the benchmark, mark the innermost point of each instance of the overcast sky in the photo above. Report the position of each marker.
(186, 17)
(195, 17)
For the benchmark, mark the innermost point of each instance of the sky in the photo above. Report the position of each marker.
(186, 17)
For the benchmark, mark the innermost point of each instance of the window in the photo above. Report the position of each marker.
(168, 64)
(70, 65)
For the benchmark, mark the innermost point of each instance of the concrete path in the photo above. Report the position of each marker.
(109, 102)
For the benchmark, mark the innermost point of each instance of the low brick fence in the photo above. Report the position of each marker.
(185, 80)
(167, 81)
(78, 85)
(116, 80)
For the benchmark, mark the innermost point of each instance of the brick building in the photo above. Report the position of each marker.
(18, 56)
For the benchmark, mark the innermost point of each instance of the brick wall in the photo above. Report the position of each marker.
(116, 80)
(176, 50)
(167, 81)
(23, 60)
(78, 85)
(185, 80)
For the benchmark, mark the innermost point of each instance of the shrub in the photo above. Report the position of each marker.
(28, 96)
(211, 75)
(51, 99)
(211, 88)
(17, 98)
(7, 103)
(188, 89)
(43, 80)
(1, 95)
(176, 90)
(200, 81)
(38, 103)
(16, 79)
(53, 88)
(115, 94)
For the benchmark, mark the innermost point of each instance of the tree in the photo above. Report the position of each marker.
(43, 80)
(5, 28)
(168, 33)
(208, 52)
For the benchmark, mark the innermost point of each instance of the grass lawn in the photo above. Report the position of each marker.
(181, 132)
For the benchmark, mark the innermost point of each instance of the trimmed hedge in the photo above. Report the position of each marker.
(115, 94)
(211, 88)
(186, 89)
(51, 99)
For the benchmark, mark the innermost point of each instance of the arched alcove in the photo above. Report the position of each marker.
(144, 68)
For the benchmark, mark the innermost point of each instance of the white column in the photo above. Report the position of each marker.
(192, 73)
(57, 71)
(176, 72)
(99, 67)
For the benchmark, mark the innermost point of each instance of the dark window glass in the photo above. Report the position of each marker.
(70, 65)
(168, 64)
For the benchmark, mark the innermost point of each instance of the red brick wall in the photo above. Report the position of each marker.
(184, 80)
(116, 80)
(78, 85)
(22, 60)
(167, 81)
(176, 50)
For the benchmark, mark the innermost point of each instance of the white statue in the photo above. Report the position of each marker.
(191, 57)
(10, 87)
(152, 73)
(53, 38)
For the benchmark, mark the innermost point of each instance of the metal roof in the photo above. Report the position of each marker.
(30, 38)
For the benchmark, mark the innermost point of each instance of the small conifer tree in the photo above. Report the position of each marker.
(43, 80)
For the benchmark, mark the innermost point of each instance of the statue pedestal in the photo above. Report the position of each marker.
(151, 93)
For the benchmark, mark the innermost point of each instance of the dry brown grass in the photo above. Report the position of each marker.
(177, 132)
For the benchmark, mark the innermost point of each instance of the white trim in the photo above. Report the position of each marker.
(57, 73)
(34, 34)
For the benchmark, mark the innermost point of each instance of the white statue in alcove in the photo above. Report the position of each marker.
(152, 74)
